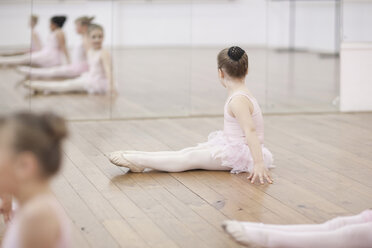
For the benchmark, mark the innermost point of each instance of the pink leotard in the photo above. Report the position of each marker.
(50, 55)
(230, 145)
(95, 78)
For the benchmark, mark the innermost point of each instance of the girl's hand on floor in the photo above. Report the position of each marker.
(260, 172)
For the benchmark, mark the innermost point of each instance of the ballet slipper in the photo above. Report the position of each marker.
(20, 83)
(28, 84)
(237, 231)
(118, 158)
(34, 90)
(24, 70)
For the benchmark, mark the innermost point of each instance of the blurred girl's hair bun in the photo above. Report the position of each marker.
(85, 20)
(59, 20)
(55, 126)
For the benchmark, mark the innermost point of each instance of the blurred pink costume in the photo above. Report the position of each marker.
(50, 55)
(230, 144)
(12, 234)
(78, 66)
(93, 81)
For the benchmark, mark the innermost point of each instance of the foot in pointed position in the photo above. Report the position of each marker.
(119, 159)
(251, 238)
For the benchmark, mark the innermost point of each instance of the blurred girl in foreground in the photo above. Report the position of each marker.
(30, 155)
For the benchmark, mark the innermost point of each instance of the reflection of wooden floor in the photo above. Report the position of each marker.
(324, 169)
(180, 82)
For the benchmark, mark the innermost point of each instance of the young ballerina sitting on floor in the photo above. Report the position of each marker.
(35, 40)
(98, 80)
(30, 155)
(341, 232)
(239, 147)
(52, 54)
(79, 63)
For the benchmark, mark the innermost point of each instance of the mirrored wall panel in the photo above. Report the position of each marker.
(15, 46)
(72, 74)
(152, 58)
(158, 58)
(302, 56)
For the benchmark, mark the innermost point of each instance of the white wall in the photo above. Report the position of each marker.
(278, 24)
(14, 19)
(356, 77)
(13, 24)
(241, 22)
(206, 23)
(315, 26)
(357, 21)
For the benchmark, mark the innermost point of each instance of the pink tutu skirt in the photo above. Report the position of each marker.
(235, 153)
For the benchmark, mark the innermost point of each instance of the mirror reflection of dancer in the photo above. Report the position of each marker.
(36, 44)
(52, 54)
(79, 63)
(239, 147)
(35, 39)
(98, 80)
(341, 232)
(30, 155)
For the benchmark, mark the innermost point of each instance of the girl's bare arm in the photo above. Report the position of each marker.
(241, 108)
(36, 39)
(62, 44)
(107, 65)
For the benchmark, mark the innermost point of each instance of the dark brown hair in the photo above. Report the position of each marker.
(59, 21)
(40, 134)
(233, 61)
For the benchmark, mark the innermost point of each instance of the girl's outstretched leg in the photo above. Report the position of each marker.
(64, 71)
(162, 153)
(73, 85)
(333, 224)
(348, 236)
(173, 161)
(16, 60)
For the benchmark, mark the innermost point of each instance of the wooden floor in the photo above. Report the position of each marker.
(182, 82)
(324, 169)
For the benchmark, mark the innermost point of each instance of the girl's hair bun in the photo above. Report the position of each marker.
(235, 53)
(85, 20)
(59, 20)
(40, 134)
(55, 126)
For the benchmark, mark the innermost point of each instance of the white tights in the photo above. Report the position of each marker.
(16, 60)
(198, 157)
(73, 85)
(341, 232)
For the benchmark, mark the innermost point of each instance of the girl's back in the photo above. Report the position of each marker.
(231, 126)
(43, 208)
